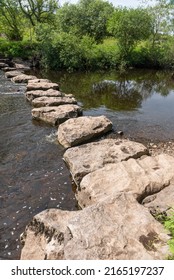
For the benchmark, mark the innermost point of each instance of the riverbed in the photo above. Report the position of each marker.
(33, 176)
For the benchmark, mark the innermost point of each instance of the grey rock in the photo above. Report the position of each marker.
(141, 177)
(56, 115)
(11, 74)
(23, 78)
(2, 65)
(89, 157)
(8, 69)
(30, 95)
(42, 86)
(161, 204)
(78, 131)
(20, 66)
(119, 228)
(52, 101)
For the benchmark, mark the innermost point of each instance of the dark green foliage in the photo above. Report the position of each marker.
(130, 26)
(24, 50)
(88, 17)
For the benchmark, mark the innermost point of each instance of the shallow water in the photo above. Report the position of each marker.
(33, 176)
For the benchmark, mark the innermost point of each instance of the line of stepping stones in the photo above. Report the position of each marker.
(111, 175)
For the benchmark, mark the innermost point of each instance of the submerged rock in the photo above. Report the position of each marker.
(118, 228)
(42, 86)
(56, 115)
(142, 177)
(23, 78)
(77, 131)
(52, 101)
(89, 157)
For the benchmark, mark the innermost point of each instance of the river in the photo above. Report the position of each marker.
(33, 176)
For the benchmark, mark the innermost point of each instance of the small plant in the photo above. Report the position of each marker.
(169, 225)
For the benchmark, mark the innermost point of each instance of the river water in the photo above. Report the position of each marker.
(33, 176)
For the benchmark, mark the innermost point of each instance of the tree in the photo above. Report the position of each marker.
(88, 17)
(130, 26)
(11, 19)
(38, 11)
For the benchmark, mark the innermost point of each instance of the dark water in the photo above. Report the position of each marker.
(33, 176)
(139, 102)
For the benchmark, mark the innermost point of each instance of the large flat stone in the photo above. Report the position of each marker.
(11, 74)
(56, 115)
(30, 95)
(78, 131)
(42, 86)
(23, 78)
(52, 101)
(141, 177)
(89, 157)
(119, 228)
(161, 204)
(3, 65)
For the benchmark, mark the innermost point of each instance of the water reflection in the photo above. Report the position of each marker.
(112, 90)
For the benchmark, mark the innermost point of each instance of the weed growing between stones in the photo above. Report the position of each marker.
(169, 225)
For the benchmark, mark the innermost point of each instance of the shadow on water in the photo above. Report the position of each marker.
(33, 176)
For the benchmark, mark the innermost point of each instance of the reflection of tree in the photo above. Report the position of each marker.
(114, 91)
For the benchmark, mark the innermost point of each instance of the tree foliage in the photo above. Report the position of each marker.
(38, 11)
(11, 19)
(130, 26)
(88, 17)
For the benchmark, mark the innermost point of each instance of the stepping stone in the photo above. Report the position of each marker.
(56, 115)
(142, 178)
(8, 69)
(11, 74)
(30, 95)
(52, 101)
(22, 67)
(92, 156)
(78, 131)
(42, 86)
(23, 78)
(118, 228)
(2, 65)
(39, 81)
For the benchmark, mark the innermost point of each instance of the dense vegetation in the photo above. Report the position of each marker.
(91, 34)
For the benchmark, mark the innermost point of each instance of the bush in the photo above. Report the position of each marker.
(23, 49)
(67, 51)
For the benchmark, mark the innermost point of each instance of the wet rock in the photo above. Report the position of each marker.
(117, 229)
(92, 156)
(56, 115)
(30, 95)
(22, 78)
(141, 177)
(11, 74)
(77, 131)
(52, 101)
(42, 86)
